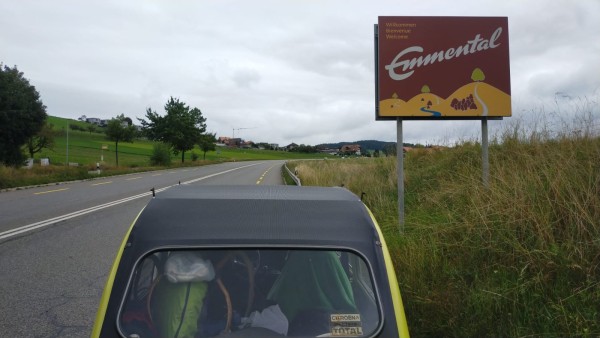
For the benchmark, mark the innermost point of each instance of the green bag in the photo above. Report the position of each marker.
(312, 280)
(176, 308)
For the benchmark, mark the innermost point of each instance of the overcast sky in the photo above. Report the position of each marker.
(279, 71)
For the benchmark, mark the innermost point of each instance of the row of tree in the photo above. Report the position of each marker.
(181, 128)
(303, 148)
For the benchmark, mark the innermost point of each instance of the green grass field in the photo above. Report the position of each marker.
(85, 149)
(520, 258)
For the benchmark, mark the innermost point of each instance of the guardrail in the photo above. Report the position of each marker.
(292, 175)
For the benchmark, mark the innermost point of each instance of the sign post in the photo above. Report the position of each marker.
(485, 164)
(102, 149)
(441, 68)
(400, 171)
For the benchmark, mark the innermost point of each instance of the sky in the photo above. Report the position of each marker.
(281, 71)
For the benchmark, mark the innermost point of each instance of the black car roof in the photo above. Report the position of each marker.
(253, 215)
(199, 216)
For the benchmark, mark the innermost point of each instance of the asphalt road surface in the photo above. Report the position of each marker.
(58, 242)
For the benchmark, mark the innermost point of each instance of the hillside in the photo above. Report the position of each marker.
(82, 149)
(86, 148)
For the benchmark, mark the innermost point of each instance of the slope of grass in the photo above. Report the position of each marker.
(85, 149)
(520, 258)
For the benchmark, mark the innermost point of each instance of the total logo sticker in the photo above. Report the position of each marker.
(346, 325)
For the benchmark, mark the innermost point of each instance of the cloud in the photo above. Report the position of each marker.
(245, 78)
(294, 71)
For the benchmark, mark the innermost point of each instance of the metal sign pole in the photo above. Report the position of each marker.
(400, 171)
(67, 162)
(484, 153)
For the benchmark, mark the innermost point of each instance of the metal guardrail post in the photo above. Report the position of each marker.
(292, 175)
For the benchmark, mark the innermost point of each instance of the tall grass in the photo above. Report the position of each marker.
(519, 258)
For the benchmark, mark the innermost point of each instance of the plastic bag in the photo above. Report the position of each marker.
(182, 267)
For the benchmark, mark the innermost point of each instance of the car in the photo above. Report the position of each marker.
(252, 261)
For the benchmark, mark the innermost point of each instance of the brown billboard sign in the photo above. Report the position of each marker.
(442, 67)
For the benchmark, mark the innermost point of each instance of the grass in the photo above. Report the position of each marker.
(520, 258)
(86, 149)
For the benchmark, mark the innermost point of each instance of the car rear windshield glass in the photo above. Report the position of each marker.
(250, 293)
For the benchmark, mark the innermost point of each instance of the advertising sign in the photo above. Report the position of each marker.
(442, 68)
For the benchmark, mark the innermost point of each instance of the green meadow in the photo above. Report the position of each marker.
(82, 150)
(85, 148)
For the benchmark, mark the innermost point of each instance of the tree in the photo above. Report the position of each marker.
(303, 148)
(477, 75)
(207, 143)
(43, 139)
(22, 114)
(181, 128)
(118, 130)
(389, 150)
(425, 89)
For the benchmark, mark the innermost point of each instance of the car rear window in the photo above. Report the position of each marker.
(250, 293)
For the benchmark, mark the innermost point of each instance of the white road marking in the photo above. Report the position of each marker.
(41, 224)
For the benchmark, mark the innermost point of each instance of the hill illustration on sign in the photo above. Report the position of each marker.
(475, 98)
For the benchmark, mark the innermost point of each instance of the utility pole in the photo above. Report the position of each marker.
(67, 162)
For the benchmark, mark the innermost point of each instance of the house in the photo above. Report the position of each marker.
(235, 142)
(247, 144)
(228, 141)
(93, 120)
(326, 150)
(290, 147)
(350, 149)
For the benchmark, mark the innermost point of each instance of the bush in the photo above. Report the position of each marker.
(77, 127)
(11, 177)
(161, 154)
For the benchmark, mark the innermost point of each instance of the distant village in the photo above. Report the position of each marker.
(348, 149)
(340, 149)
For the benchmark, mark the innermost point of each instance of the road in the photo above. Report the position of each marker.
(57, 242)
